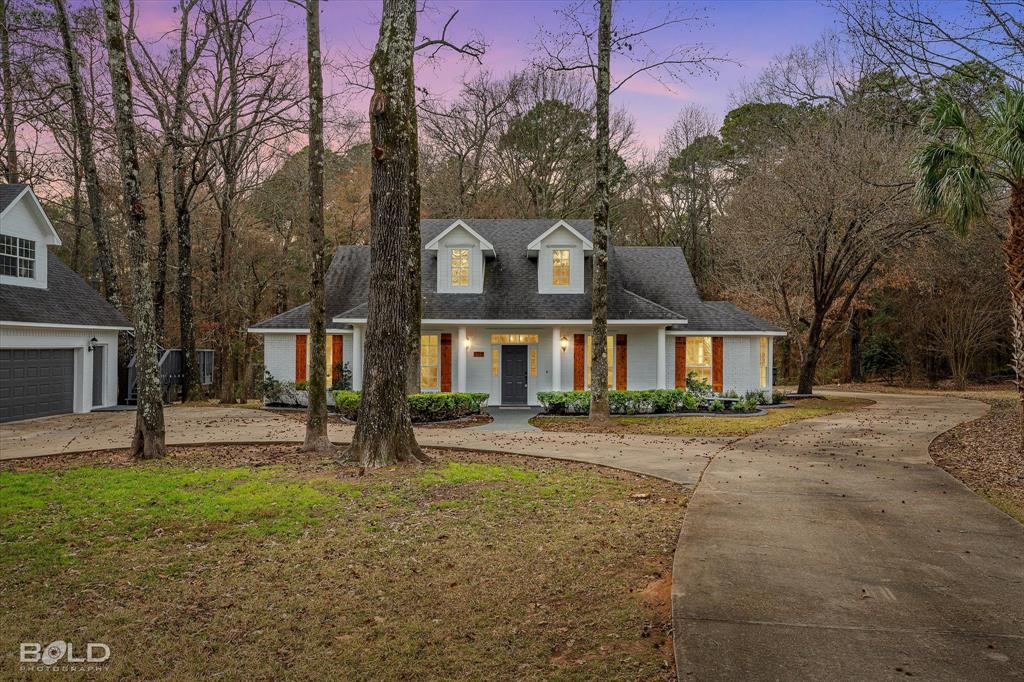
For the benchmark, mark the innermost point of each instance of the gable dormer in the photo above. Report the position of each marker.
(460, 259)
(25, 232)
(560, 253)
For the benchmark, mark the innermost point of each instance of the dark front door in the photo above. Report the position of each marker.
(97, 376)
(514, 367)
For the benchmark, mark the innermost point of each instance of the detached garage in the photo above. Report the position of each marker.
(58, 336)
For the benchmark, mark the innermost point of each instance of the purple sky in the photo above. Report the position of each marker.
(748, 31)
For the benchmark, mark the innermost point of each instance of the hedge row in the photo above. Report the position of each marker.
(424, 407)
(658, 401)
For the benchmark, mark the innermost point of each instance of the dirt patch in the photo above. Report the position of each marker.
(986, 454)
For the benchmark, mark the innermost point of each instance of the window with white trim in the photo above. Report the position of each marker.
(17, 256)
(560, 267)
(698, 357)
(430, 361)
(459, 268)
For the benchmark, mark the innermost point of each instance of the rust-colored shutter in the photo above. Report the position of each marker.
(337, 355)
(300, 357)
(717, 353)
(446, 363)
(579, 361)
(680, 362)
(620, 362)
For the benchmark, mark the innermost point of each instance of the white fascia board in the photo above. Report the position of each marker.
(53, 325)
(53, 239)
(714, 333)
(524, 323)
(296, 330)
(534, 246)
(485, 245)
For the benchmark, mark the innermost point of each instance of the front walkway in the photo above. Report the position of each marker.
(833, 549)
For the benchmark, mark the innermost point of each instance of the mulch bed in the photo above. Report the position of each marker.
(987, 455)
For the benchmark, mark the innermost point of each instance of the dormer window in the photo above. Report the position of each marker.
(17, 257)
(459, 267)
(560, 267)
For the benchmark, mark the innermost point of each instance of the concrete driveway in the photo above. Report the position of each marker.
(674, 459)
(833, 549)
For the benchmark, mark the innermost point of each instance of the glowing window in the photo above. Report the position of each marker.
(698, 357)
(611, 361)
(430, 357)
(460, 268)
(763, 362)
(560, 267)
(514, 338)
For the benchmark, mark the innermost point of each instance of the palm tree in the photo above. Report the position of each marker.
(963, 169)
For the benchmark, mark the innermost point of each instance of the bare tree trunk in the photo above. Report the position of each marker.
(186, 312)
(414, 248)
(811, 355)
(83, 130)
(76, 216)
(148, 442)
(316, 413)
(384, 434)
(1014, 248)
(599, 281)
(222, 282)
(10, 148)
(162, 247)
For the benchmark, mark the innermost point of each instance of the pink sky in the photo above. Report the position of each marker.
(747, 31)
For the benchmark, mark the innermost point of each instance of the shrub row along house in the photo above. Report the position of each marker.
(58, 336)
(506, 311)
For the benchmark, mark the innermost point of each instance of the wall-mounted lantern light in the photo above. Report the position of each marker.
(92, 343)
(565, 344)
(469, 343)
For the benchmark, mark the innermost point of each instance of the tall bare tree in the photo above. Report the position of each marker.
(384, 434)
(10, 148)
(573, 50)
(316, 413)
(86, 156)
(169, 89)
(148, 442)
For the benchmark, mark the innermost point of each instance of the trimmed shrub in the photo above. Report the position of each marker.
(747, 404)
(657, 401)
(423, 407)
(302, 385)
(778, 397)
(698, 386)
(716, 406)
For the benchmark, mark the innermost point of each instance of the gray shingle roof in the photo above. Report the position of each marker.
(644, 283)
(67, 299)
(8, 193)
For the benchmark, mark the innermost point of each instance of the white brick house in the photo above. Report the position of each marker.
(507, 312)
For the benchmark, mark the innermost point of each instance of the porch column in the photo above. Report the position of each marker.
(357, 358)
(556, 359)
(462, 361)
(661, 357)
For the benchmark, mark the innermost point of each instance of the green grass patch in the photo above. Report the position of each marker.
(462, 569)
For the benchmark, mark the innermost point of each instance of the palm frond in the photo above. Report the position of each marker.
(1006, 127)
(952, 183)
(945, 115)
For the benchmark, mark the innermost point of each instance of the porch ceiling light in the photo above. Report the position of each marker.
(564, 344)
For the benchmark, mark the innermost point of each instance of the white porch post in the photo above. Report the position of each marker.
(462, 361)
(556, 359)
(357, 358)
(661, 357)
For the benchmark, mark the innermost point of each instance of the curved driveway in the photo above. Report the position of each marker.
(833, 549)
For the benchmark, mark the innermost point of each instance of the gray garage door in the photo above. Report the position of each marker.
(36, 383)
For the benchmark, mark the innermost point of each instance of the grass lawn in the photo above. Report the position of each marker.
(706, 426)
(264, 563)
(986, 454)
